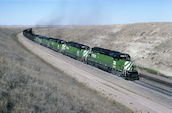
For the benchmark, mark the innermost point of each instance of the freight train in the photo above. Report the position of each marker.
(115, 62)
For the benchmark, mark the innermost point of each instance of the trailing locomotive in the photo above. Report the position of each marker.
(77, 51)
(115, 62)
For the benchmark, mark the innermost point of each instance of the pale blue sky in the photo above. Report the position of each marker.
(83, 12)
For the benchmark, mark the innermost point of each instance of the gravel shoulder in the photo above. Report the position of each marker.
(135, 97)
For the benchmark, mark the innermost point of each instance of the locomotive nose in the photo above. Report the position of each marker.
(128, 65)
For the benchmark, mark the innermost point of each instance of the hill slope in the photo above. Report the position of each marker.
(28, 85)
(149, 44)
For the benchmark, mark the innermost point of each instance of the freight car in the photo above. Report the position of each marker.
(28, 33)
(115, 62)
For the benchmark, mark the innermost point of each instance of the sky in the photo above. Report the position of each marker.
(83, 12)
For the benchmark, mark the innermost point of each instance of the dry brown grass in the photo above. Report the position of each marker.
(29, 85)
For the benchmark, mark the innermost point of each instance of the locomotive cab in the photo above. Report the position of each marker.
(125, 57)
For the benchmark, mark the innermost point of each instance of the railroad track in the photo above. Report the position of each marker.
(164, 86)
(163, 82)
(155, 88)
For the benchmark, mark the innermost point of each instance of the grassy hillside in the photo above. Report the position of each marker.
(29, 85)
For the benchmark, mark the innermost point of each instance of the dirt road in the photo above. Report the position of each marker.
(134, 96)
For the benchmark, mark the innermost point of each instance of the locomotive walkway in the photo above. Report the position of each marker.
(132, 95)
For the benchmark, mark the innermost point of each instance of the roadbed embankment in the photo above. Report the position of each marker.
(135, 97)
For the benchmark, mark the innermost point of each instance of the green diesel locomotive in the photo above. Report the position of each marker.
(77, 51)
(112, 61)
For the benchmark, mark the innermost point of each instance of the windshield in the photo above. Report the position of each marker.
(125, 57)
